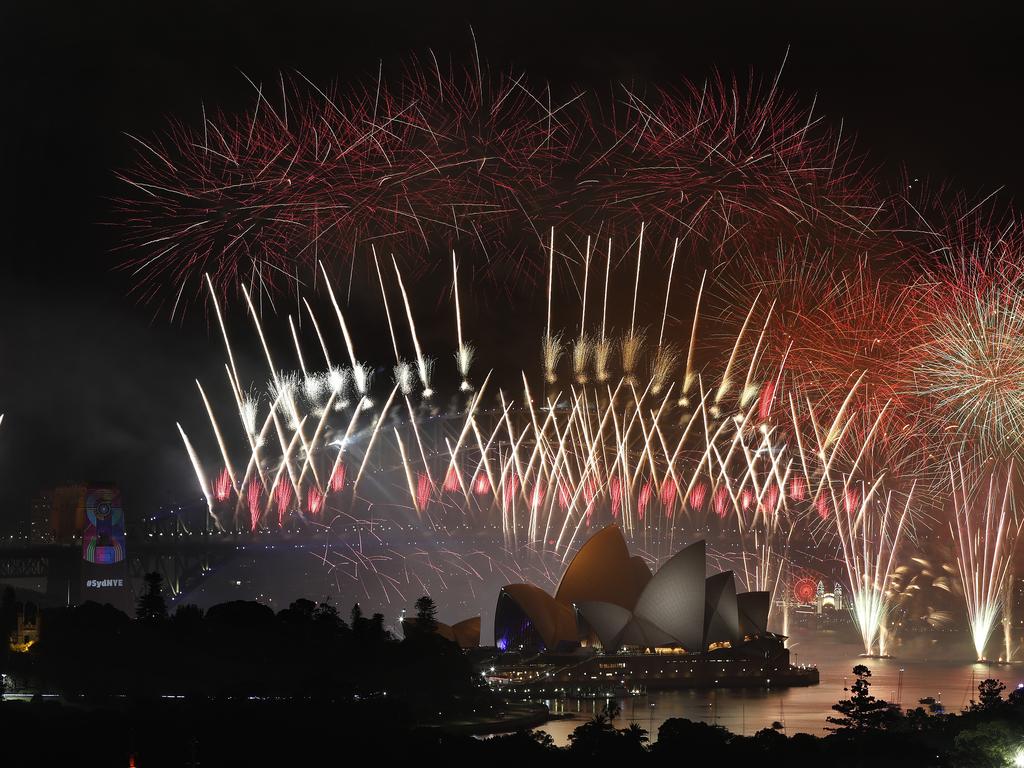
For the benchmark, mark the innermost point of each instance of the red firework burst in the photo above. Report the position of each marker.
(798, 488)
(616, 495)
(644, 499)
(740, 165)
(564, 495)
(511, 488)
(222, 486)
(452, 483)
(477, 162)
(537, 495)
(283, 499)
(252, 495)
(823, 505)
(338, 477)
(314, 501)
(440, 158)
(720, 501)
(423, 489)
(697, 495)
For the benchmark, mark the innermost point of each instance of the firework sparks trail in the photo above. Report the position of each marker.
(870, 535)
(479, 159)
(465, 352)
(972, 368)
(423, 365)
(906, 323)
(985, 532)
(222, 486)
(252, 494)
(283, 500)
(626, 449)
(868, 520)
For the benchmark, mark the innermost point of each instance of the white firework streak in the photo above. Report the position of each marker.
(630, 449)
(870, 537)
(984, 540)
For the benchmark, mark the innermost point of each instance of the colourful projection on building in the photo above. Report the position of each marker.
(103, 537)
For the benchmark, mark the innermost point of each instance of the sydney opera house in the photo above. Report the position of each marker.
(612, 600)
(677, 626)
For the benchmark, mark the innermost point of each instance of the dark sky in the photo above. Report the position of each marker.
(92, 384)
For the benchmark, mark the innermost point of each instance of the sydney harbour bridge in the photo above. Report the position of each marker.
(169, 543)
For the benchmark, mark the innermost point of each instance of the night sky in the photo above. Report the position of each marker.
(92, 383)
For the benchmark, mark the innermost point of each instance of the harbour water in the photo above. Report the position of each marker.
(918, 670)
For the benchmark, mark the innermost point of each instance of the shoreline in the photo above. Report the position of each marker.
(515, 716)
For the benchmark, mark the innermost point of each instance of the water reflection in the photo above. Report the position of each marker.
(915, 673)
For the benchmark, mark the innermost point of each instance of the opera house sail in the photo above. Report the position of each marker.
(609, 601)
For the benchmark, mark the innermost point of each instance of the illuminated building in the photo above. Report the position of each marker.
(610, 599)
(26, 631)
(39, 530)
(528, 618)
(90, 514)
(58, 514)
(677, 628)
(832, 600)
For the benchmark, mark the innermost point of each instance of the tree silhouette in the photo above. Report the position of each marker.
(861, 712)
(990, 695)
(327, 615)
(598, 737)
(426, 615)
(8, 624)
(151, 606)
(595, 737)
(8, 612)
(1016, 697)
(375, 632)
(355, 618)
(525, 745)
(682, 737)
(635, 734)
(303, 608)
(989, 745)
(612, 710)
(187, 620)
(770, 740)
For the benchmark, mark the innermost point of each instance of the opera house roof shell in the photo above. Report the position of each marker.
(607, 594)
(603, 570)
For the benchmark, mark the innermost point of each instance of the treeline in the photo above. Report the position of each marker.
(239, 732)
(862, 731)
(242, 685)
(241, 649)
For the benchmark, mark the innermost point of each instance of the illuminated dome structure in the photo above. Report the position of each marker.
(608, 596)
